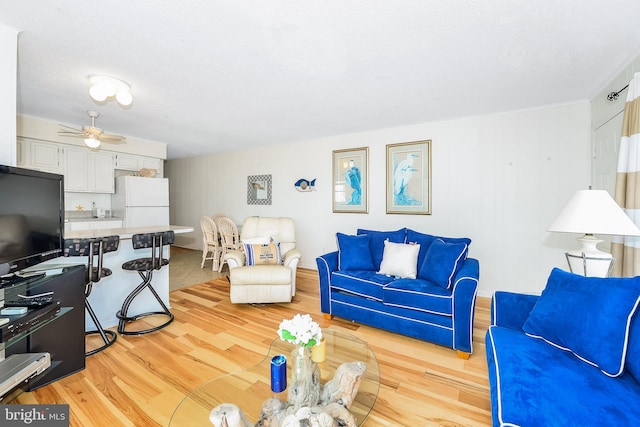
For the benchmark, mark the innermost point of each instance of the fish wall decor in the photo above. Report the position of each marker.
(305, 185)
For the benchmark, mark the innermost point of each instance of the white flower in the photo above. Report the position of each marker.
(301, 330)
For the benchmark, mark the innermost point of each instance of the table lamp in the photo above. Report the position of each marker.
(592, 212)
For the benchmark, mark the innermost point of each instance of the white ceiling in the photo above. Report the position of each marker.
(212, 75)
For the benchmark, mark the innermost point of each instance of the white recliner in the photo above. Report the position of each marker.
(264, 283)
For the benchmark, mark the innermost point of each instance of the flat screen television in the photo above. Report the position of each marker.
(31, 217)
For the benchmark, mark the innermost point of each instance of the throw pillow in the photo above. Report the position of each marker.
(261, 254)
(261, 240)
(399, 260)
(425, 241)
(588, 316)
(354, 252)
(633, 349)
(377, 242)
(442, 262)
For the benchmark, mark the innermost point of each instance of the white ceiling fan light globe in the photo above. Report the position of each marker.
(98, 93)
(92, 142)
(124, 97)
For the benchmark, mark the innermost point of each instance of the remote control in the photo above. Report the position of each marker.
(31, 302)
(4, 320)
(13, 311)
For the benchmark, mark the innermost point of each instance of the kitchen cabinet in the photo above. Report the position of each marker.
(88, 171)
(131, 162)
(45, 156)
(84, 170)
(21, 155)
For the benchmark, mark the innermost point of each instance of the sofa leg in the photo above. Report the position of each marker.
(327, 316)
(463, 355)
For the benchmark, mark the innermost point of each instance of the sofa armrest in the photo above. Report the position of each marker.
(327, 264)
(465, 288)
(234, 259)
(510, 309)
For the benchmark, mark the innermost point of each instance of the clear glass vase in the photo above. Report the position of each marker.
(304, 389)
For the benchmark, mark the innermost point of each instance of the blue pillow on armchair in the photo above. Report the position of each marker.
(588, 316)
(354, 252)
(442, 262)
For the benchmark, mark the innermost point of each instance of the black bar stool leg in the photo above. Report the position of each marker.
(109, 337)
(125, 318)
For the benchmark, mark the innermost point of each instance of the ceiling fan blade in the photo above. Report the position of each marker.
(72, 134)
(92, 130)
(69, 127)
(111, 138)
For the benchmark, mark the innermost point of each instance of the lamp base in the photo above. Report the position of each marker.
(589, 260)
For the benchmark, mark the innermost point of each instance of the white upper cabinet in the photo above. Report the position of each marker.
(88, 171)
(22, 155)
(128, 162)
(84, 170)
(76, 169)
(45, 156)
(131, 162)
(103, 176)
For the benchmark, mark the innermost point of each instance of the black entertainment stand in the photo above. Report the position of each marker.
(57, 328)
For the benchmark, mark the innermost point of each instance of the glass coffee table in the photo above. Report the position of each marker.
(249, 389)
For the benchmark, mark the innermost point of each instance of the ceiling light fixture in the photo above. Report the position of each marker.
(104, 87)
(92, 142)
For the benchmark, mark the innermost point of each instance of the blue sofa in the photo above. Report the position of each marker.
(435, 305)
(570, 357)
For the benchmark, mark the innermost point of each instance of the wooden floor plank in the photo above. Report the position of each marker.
(140, 380)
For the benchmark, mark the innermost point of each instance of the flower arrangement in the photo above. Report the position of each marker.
(301, 330)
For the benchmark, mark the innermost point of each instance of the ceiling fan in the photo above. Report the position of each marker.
(92, 135)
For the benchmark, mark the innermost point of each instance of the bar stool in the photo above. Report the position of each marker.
(94, 249)
(145, 267)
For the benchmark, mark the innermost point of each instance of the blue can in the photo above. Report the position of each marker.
(278, 373)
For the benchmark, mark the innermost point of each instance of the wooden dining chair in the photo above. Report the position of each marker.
(229, 238)
(211, 248)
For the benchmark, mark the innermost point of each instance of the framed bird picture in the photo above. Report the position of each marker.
(351, 180)
(409, 178)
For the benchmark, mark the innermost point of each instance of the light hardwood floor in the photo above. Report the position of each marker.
(140, 380)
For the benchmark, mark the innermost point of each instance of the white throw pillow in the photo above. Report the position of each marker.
(400, 260)
(261, 240)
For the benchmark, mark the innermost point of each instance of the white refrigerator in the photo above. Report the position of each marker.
(141, 201)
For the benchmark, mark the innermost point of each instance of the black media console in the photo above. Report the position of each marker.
(56, 328)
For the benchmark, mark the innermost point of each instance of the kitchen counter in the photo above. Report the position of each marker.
(92, 218)
(109, 293)
(126, 232)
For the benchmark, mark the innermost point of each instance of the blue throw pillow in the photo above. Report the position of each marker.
(588, 316)
(442, 262)
(633, 349)
(354, 252)
(425, 240)
(377, 242)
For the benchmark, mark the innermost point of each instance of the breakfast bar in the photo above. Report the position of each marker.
(109, 293)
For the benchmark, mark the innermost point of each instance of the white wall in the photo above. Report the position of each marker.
(499, 179)
(8, 77)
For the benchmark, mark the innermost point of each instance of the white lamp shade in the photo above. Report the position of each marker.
(594, 212)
